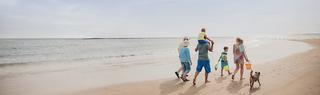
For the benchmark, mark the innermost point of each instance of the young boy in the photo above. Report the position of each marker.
(202, 38)
(224, 61)
(185, 60)
(181, 45)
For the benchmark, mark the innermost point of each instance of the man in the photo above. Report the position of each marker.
(203, 60)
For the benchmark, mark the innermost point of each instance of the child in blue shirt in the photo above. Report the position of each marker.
(185, 60)
(224, 61)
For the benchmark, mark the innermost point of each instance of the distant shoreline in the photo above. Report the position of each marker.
(99, 38)
(285, 37)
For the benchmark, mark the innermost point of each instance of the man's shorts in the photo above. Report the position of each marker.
(205, 64)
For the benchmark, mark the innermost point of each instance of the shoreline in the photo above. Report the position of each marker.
(295, 74)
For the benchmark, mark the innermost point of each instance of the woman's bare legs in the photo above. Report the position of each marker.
(241, 71)
(235, 70)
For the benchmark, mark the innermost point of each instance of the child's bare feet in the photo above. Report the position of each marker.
(184, 79)
(194, 82)
(207, 81)
(232, 77)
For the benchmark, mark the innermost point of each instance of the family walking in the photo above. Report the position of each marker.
(205, 45)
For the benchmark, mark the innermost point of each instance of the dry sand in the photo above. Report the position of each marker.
(298, 74)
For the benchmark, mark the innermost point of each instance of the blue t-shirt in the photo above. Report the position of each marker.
(184, 54)
(203, 51)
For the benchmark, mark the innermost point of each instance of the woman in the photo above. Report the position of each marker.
(239, 56)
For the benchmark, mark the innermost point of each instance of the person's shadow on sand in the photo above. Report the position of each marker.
(220, 79)
(253, 90)
(235, 86)
(170, 86)
(193, 90)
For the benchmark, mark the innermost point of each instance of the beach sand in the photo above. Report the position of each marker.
(297, 74)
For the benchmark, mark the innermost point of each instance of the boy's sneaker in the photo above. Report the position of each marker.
(177, 74)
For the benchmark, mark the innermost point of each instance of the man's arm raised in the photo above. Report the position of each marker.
(210, 46)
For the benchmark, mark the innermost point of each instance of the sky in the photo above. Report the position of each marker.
(156, 18)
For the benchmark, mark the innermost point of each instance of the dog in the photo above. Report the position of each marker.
(254, 78)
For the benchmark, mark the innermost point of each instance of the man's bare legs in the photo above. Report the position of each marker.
(206, 75)
(195, 77)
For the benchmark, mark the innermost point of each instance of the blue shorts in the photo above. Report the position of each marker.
(202, 41)
(186, 67)
(205, 64)
(224, 64)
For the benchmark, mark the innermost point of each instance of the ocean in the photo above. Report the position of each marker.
(66, 65)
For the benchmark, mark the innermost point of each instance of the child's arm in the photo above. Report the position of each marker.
(216, 66)
(210, 46)
(234, 49)
(206, 37)
(188, 56)
(219, 58)
(196, 49)
(179, 49)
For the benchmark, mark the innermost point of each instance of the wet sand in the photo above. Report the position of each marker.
(297, 74)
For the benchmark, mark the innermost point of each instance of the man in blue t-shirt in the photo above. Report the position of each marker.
(203, 60)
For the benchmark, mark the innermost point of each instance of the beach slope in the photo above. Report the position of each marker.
(297, 74)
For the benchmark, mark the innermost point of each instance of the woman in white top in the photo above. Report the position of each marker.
(239, 56)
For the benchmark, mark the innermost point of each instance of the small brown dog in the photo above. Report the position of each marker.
(254, 78)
